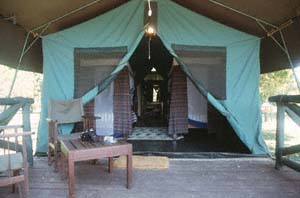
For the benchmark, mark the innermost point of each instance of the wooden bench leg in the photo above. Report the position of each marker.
(71, 179)
(129, 170)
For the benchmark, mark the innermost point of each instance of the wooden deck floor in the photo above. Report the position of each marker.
(185, 178)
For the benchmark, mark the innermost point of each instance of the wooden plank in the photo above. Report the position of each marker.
(94, 153)
(292, 164)
(294, 113)
(67, 146)
(75, 145)
(285, 98)
(11, 127)
(185, 178)
(11, 180)
(82, 144)
(290, 150)
(12, 101)
(16, 134)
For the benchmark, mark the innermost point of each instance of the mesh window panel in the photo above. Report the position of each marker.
(94, 65)
(207, 66)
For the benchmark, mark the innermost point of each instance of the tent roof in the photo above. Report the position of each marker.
(32, 13)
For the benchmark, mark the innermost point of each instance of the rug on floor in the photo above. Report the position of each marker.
(150, 133)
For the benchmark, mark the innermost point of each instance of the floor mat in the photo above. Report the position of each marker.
(150, 133)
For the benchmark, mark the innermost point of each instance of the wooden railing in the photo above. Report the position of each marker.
(25, 104)
(286, 104)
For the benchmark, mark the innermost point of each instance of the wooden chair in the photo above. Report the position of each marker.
(64, 112)
(13, 159)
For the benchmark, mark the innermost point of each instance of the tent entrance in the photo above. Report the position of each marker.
(152, 103)
(151, 67)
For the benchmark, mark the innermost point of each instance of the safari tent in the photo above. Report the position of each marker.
(197, 43)
(195, 34)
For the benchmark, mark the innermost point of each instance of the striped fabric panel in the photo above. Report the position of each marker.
(178, 119)
(122, 105)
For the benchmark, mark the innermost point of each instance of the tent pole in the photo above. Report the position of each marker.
(285, 50)
(242, 13)
(23, 52)
(290, 59)
(272, 37)
(65, 15)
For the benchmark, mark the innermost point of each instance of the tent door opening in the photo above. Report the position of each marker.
(150, 95)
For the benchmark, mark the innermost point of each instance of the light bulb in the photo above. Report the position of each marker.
(150, 30)
(149, 12)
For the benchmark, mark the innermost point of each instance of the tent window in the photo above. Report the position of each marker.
(207, 66)
(93, 65)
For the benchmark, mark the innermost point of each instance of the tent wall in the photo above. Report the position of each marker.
(176, 25)
(122, 26)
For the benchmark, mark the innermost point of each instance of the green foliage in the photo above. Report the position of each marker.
(280, 82)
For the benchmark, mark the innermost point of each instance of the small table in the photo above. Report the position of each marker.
(75, 150)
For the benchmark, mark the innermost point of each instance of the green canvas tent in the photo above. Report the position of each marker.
(176, 25)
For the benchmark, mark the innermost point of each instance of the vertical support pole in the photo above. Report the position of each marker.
(279, 134)
(27, 127)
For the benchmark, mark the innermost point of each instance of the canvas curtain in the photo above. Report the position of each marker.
(178, 115)
(122, 104)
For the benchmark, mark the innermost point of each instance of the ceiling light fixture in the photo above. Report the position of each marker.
(150, 30)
